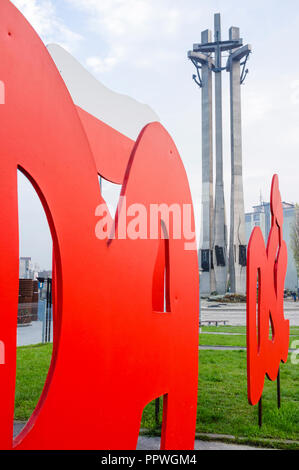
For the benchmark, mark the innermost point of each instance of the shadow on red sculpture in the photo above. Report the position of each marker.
(266, 271)
(114, 350)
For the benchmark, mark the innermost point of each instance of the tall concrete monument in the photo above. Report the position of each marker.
(237, 246)
(207, 213)
(207, 58)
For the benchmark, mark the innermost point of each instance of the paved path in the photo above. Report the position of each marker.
(31, 334)
(235, 314)
(153, 443)
(222, 348)
(229, 334)
(229, 348)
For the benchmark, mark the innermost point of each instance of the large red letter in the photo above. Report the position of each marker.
(267, 269)
(113, 353)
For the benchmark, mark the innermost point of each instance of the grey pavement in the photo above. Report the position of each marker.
(225, 333)
(222, 333)
(235, 314)
(153, 443)
(32, 334)
(228, 348)
(221, 348)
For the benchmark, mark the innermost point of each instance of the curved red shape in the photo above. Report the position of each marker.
(268, 267)
(113, 157)
(112, 352)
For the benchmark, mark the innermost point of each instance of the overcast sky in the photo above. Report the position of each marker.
(139, 47)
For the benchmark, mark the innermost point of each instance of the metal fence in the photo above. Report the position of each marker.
(35, 312)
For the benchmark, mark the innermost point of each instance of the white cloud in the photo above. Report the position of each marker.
(133, 30)
(42, 15)
(99, 65)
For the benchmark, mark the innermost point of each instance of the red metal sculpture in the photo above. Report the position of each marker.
(266, 269)
(114, 349)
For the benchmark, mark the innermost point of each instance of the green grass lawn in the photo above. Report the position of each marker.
(32, 367)
(222, 395)
(222, 401)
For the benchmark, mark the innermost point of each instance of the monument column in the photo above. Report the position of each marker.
(207, 59)
(220, 237)
(207, 278)
(237, 249)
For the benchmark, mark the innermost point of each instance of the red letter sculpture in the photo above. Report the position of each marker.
(113, 351)
(267, 269)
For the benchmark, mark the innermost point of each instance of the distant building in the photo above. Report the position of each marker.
(261, 217)
(27, 270)
(45, 274)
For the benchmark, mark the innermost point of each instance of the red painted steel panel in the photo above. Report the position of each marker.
(268, 267)
(110, 148)
(112, 353)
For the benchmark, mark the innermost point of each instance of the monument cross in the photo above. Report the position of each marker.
(207, 58)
